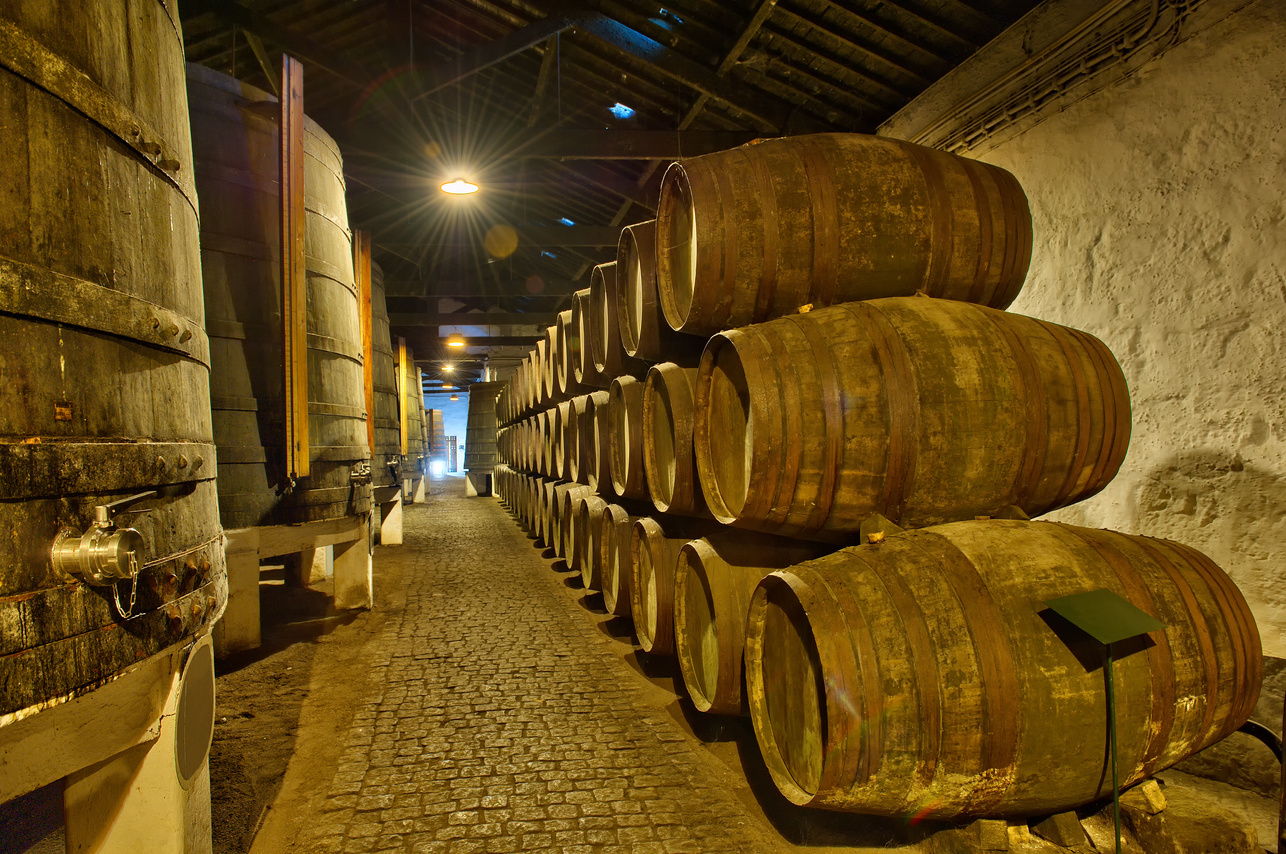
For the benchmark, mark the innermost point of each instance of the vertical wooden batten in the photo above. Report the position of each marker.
(294, 295)
(402, 380)
(362, 270)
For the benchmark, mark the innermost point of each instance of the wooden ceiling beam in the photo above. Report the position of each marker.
(299, 46)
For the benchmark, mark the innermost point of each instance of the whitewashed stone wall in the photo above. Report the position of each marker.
(1159, 207)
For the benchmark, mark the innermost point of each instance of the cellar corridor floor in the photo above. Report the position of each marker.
(487, 705)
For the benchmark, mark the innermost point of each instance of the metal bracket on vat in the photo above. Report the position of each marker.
(103, 554)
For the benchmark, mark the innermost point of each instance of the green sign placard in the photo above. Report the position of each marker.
(1104, 616)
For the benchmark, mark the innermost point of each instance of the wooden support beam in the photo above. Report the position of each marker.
(481, 318)
(294, 280)
(572, 144)
(668, 62)
(265, 64)
(539, 98)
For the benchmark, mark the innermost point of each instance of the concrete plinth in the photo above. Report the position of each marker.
(477, 483)
(153, 796)
(389, 500)
(339, 547)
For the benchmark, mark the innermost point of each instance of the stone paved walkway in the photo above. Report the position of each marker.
(501, 720)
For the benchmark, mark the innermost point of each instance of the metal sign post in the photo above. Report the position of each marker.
(1107, 618)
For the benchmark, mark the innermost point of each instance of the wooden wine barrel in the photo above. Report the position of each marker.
(615, 561)
(594, 433)
(386, 461)
(480, 428)
(583, 368)
(544, 446)
(644, 332)
(236, 136)
(668, 457)
(556, 439)
(610, 358)
(527, 445)
(549, 362)
(544, 511)
(714, 578)
(625, 407)
(573, 445)
(568, 337)
(572, 546)
(105, 390)
(539, 393)
(924, 676)
(922, 410)
(754, 233)
(557, 510)
(654, 550)
(589, 526)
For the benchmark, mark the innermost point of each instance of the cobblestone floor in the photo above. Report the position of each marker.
(501, 720)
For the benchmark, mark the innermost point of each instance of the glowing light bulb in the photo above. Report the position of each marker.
(459, 187)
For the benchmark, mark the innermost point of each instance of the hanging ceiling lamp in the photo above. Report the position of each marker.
(455, 339)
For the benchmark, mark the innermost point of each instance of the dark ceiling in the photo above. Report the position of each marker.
(520, 97)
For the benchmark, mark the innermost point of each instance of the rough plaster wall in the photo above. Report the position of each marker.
(1159, 207)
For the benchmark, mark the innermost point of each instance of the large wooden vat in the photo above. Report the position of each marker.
(923, 675)
(437, 430)
(923, 410)
(756, 232)
(105, 364)
(417, 434)
(235, 131)
(385, 463)
(480, 428)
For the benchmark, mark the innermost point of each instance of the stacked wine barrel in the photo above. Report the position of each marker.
(792, 429)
